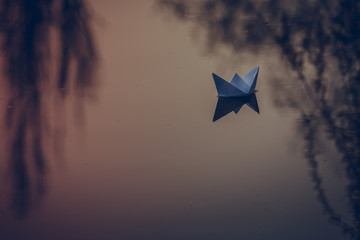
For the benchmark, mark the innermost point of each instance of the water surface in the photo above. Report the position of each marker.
(107, 110)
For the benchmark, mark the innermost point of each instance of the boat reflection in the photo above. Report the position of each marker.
(226, 105)
(48, 54)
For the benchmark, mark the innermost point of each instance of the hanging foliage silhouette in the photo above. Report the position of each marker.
(48, 51)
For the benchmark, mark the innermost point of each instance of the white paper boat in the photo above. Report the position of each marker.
(233, 95)
(239, 86)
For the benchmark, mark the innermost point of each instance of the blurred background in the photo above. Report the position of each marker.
(106, 119)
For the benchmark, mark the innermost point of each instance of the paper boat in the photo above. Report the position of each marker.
(233, 95)
(239, 86)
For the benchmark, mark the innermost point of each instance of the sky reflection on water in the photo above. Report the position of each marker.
(155, 166)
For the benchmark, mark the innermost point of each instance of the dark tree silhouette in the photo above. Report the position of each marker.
(324, 35)
(32, 34)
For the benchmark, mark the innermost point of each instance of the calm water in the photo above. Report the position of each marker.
(107, 131)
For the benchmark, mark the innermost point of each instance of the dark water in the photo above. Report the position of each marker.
(107, 120)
